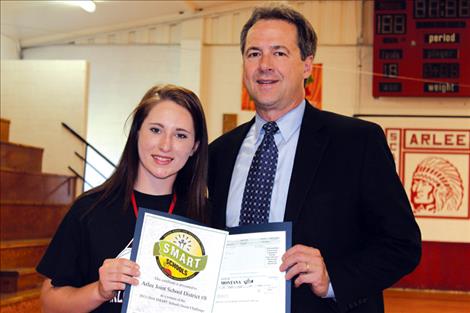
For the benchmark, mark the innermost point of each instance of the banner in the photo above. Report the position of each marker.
(432, 156)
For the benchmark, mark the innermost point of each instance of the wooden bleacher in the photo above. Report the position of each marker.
(32, 204)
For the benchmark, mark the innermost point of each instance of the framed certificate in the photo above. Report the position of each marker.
(187, 267)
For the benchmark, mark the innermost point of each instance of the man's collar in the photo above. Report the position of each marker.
(288, 123)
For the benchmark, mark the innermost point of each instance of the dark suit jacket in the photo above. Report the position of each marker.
(345, 199)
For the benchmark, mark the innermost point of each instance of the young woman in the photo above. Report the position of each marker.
(163, 167)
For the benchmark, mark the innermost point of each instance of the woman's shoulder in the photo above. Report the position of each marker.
(88, 203)
(86, 200)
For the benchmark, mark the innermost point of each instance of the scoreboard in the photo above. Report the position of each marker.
(421, 48)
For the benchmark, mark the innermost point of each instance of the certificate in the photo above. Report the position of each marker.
(186, 267)
(179, 265)
(250, 280)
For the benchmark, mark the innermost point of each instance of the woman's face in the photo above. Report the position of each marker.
(165, 142)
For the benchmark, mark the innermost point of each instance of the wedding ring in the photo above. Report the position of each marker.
(308, 267)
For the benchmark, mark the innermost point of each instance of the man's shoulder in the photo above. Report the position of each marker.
(235, 135)
(335, 122)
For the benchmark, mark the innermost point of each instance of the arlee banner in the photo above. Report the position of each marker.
(432, 156)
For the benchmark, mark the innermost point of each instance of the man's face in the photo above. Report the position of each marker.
(273, 71)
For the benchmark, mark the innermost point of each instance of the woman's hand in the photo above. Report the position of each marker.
(115, 274)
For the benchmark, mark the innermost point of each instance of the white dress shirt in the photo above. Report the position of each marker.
(286, 141)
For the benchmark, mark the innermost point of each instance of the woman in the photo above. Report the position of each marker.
(163, 167)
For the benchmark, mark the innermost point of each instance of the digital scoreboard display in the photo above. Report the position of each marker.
(421, 48)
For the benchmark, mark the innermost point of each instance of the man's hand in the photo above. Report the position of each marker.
(307, 263)
(114, 274)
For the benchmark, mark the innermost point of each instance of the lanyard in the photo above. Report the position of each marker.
(170, 209)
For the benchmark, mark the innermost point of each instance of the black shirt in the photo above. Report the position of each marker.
(85, 238)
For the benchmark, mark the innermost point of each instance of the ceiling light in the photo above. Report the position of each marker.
(87, 5)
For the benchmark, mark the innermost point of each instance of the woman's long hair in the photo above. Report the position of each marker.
(191, 180)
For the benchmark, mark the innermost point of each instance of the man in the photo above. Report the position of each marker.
(334, 177)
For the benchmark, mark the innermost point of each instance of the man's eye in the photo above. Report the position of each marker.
(280, 53)
(155, 130)
(181, 136)
(253, 54)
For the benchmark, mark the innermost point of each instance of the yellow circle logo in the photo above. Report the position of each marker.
(180, 254)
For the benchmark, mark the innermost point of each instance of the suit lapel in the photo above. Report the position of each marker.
(310, 148)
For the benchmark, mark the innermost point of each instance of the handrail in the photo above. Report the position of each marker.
(79, 176)
(89, 164)
(87, 143)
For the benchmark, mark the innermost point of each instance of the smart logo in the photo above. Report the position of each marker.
(180, 254)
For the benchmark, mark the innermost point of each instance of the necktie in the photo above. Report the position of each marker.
(259, 184)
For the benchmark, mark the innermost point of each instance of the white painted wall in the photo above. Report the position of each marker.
(222, 85)
(119, 77)
(36, 96)
(10, 49)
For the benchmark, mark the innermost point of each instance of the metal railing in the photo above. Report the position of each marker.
(84, 159)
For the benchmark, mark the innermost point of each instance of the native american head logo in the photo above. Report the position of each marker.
(436, 186)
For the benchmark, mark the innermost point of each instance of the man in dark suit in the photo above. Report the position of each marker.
(334, 177)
